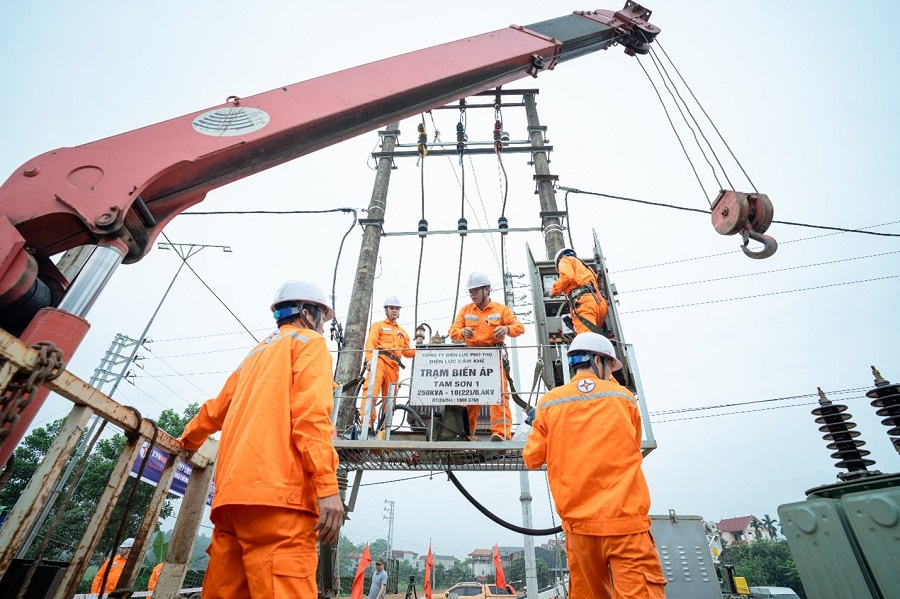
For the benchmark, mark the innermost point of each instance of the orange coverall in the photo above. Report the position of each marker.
(483, 324)
(386, 337)
(574, 274)
(275, 461)
(588, 432)
(154, 577)
(118, 562)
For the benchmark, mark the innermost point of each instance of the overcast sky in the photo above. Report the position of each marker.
(801, 91)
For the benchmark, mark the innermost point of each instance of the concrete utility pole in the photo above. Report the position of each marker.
(389, 516)
(551, 220)
(531, 583)
(350, 359)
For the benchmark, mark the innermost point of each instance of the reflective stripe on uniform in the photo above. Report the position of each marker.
(271, 339)
(588, 397)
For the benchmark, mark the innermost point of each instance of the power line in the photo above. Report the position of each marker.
(757, 401)
(799, 405)
(686, 209)
(732, 299)
(396, 480)
(172, 368)
(753, 274)
(682, 260)
(215, 295)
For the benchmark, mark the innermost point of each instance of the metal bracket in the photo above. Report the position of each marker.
(540, 178)
(378, 222)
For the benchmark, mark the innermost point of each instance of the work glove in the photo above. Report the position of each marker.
(530, 419)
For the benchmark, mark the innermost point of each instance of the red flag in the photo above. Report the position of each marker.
(356, 591)
(429, 563)
(501, 578)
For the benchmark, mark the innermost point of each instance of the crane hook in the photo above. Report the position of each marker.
(770, 246)
(749, 214)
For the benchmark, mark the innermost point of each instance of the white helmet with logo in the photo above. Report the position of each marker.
(594, 343)
(477, 279)
(563, 252)
(393, 300)
(303, 292)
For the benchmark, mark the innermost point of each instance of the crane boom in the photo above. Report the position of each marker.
(118, 193)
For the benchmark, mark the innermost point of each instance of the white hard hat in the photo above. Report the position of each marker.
(477, 279)
(594, 343)
(303, 292)
(127, 543)
(563, 252)
(393, 300)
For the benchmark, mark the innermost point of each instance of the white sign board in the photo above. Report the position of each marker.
(462, 375)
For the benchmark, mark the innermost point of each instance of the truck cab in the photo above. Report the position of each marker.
(477, 590)
(773, 593)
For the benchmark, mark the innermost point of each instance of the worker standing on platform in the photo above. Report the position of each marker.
(588, 432)
(115, 571)
(392, 342)
(276, 482)
(485, 323)
(580, 285)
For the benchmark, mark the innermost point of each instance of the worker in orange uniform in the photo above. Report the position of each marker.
(392, 342)
(579, 283)
(588, 432)
(485, 323)
(154, 577)
(276, 483)
(115, 571)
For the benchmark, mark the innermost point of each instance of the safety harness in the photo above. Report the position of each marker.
(577, 293)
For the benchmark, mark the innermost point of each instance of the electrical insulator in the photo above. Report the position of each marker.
(461, 137)
(423, 227)
(886, 397)
(462, 226)
(838, 428)
(503, 224)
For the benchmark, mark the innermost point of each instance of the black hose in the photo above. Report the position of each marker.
(532, 532)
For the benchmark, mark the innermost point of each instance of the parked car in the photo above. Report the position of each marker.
(477, 590)
(773, 593)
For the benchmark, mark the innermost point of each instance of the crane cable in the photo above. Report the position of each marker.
(716, 129)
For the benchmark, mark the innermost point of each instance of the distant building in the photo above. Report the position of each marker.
(553, 554)
(405, 556)
(482, 561)
(741, 530)
(447, 561)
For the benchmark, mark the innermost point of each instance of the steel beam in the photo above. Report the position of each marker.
(181, 544)
(100, 518)
(27, 509)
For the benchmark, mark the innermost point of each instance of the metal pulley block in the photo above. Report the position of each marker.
(747, 214)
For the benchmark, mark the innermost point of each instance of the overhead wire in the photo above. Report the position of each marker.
(757, 401)
(762, 272)
(783, 292)
(461, 139)
(489, 239)
(221, 301)
(172, 368)
(422, 222)
(861, 231)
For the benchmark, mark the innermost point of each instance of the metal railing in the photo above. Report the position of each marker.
(22, 370)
